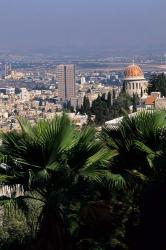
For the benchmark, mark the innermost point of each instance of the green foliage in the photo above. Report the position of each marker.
(13, 229)
(18, 227)
(120, 105)
(106, 109)
(83, 191)
(138, 152)
(158, 83)
(109, 100)
(86, 106)
(56, 164)
(135, 102)
(100, 109)
(140, 141)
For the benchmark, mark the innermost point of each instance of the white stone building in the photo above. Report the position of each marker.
(134, 81)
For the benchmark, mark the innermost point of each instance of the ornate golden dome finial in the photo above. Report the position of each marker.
(133, 61)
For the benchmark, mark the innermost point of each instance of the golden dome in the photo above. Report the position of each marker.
(133, 71)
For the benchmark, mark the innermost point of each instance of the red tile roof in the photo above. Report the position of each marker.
(150, 100)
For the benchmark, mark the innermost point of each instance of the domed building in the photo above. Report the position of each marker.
(134, 81)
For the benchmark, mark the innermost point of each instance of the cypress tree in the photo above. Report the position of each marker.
(86, 105)
(81, 110)
(113, 94)
(103, 98)
(134, 103)
(109, 100)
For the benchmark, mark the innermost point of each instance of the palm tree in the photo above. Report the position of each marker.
(139, 141)
(57, 165)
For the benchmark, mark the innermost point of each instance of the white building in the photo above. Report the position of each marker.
(10, 91)
(134, 81)
(83, 80)
(24, 95)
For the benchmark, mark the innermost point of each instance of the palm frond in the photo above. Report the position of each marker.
(116, 181)
(26, 127)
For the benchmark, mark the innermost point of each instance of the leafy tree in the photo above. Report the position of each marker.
(14, 229)
(116, 110)
(103, 97)
(104, 110)
(86, 105)
(120, 105)
(109, 100)
(124, 101)
(100, 110)
(18, 226)
(81, 110)
(158, 83)
(113, 94)
(135, 101)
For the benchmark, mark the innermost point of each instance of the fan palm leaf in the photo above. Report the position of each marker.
(139, 141)
(56, 161)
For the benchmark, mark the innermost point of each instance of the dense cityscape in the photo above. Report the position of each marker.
(35, 87)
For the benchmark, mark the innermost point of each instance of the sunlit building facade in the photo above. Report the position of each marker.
(65, 75)
(134, 81)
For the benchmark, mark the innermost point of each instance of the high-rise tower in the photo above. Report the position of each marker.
(5, 70)
(66, 81)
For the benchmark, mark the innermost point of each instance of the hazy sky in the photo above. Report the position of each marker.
(99, 24)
